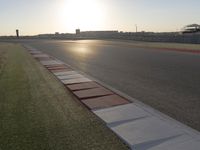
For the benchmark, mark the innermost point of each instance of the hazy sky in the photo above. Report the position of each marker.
(48, 16)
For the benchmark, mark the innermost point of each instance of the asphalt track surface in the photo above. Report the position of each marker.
(168, 81)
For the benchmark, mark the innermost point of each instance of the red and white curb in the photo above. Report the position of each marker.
(140, 126)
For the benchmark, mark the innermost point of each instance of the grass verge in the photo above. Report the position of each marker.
(37, 113)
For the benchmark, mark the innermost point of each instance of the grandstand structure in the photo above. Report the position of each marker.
(192, 28)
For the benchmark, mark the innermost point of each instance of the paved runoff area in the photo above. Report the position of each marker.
(140, 126)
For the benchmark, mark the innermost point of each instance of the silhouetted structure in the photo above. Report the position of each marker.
(192, 28)
(192, 35)
(78, 31)
(17, 33)
(100, 34)
(57, 33)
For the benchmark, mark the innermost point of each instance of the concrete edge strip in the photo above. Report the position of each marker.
(185, 130)
(71, 77)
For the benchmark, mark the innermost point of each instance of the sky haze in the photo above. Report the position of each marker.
(49, 16)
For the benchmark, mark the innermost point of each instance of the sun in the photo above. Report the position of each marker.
(83, 14)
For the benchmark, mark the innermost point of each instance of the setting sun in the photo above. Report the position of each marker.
(87, 14)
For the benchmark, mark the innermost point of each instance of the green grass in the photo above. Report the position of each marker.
(38, 113)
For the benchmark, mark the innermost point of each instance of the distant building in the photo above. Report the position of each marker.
(17, 33)
(100, 34)
(78, 31)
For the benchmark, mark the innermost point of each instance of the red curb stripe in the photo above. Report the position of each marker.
(91, 93)
(105, 102)
(50, 66)
(61, 70)
(181, 50)
(172, 49)
(43, 59)
(83, 86)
